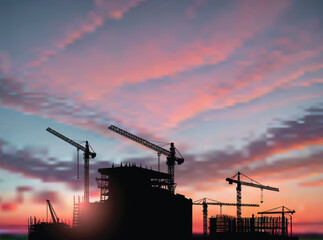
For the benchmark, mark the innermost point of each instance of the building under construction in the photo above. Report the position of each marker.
(135, 203)
(224, 227)
(139, 203)
(53, 229)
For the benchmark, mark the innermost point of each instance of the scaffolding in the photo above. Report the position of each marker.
(103, 184)
(270, 225)
(154, 179)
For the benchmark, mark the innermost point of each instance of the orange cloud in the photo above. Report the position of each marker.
(313, 183)
(9, 206)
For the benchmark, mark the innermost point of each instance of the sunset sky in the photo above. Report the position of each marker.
(236, 85)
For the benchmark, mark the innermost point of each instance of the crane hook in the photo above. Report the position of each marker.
(261, 196)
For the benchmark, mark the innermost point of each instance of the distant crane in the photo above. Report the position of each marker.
(87, 155)
(282, 212)
(206, 201)
(52, 212)
(171, 158)
(250, 184)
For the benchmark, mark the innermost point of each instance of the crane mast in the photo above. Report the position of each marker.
(171, 154)
(249, 184)
(205, 202)
(87, 155)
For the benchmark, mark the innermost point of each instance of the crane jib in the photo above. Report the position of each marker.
(145, 143)
(139, 140)
(171, 158)
(66, 139)
(230, 180)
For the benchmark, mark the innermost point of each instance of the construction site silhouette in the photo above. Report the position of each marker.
(140, 203)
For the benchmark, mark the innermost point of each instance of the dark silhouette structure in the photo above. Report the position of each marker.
(138, 203)
(253, 183)
(284, 211)
(135, 204)
(171, 154)
(206, 201)
(51, 230)
(227, 227)
(38, 230)
(87, 155)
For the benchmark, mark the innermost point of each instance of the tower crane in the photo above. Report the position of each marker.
(250, 184)
(52, 212)
(86, 156)
(282, 212)
(171, 154)
(206, 201)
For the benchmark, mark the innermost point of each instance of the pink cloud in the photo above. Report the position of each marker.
(9, 207)
(312, 183)
(115, 9)
(106, 73)
(103, 83)
(184, 99)
(155, 61)
(94, 19)
(293, 135)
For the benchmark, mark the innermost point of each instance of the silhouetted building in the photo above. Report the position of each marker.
(40, 230)
(135, 204)
(269, 228)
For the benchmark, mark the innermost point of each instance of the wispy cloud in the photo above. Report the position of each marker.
(202, 170)
(293, 135)
(46, 169)
(14, 95)
(14, 203)
(195, 94)
(9, 207)
(167, 71)
(165, 53)
(103, 10)
(312, 183)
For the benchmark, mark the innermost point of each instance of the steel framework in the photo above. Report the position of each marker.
(87, 154)
(249, 184)
(206, 201)
(171, 154)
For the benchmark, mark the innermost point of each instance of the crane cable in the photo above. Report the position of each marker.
(261, 194)
(91, 148)
(77, 163)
